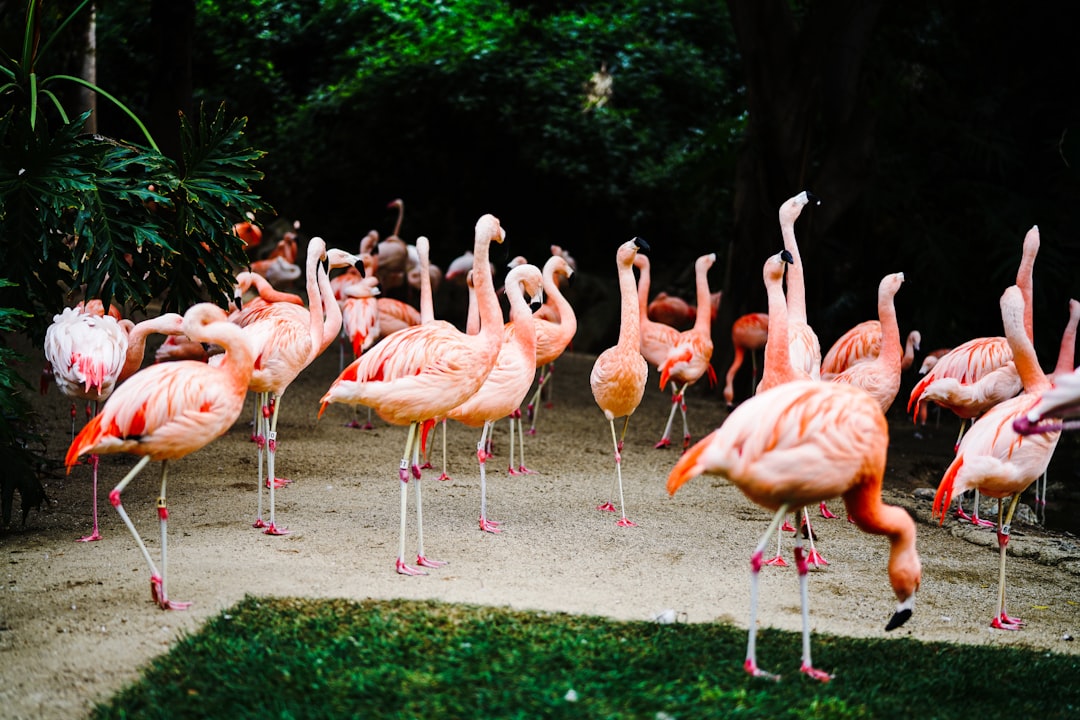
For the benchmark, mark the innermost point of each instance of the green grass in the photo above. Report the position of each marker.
(296, 658)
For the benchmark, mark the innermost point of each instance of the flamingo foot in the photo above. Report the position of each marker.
(814, 673)
(1004, 622)
(491, 526)
(424, 561)
(625, 522)
(367, 426)
(404, 569)
(787, 527)
(158, 594)
(549, 405)
(259, 523)
(751, 667)
(444, 476)
(529, 411)
(520, 470)
(91, 537)
(531, 431)
(777, 561)
(686, 443)
(426, 466)
(279, 483)
(826, 513)
(664, 443)
(814, 558)
(354, 424)
(272, 529)
(606, 507)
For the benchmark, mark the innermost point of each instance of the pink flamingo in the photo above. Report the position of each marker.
(862, 343)
(796, 445)
(167, 411)
(556, 325)
(881, 376)
(90, 354)
(423, 372)
(690, 357)
(509, 381)
(656, 337)
(619, 373)
(996, 459)
(805, 348)
(672, 310)
(748, 335)
(982, 362)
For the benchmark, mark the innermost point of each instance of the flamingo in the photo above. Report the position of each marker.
(798, 444)
(970, 363)
(276, 270)
(805, 348)
(425, 371)
(778, 370)
(619, 373)
(748, 335)
(689, 358)
(90, 354)
(671, 310)
(392, 253)
(656, 337)
(556, 325)
(1056, 409)
(862, 343)
(996, 459)
(167, 411)
(509, 381)
(881, 376)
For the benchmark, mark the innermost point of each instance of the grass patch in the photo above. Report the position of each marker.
(296, 658)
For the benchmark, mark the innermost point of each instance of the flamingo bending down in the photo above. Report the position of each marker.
(993, 457)
(619, 373)
(423, 372)
(748, 335)
(90, 353)
(509, 381)
(556, 325)
(690, 357)
(167, 411)
(798, 444)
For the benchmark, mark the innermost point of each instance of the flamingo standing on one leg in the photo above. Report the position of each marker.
(619, 373)
(748, 335)
(793, 446)
(509, 381)
(556, 325)
(423, 372)
(90, 353)
(996, 459)
(690, 357)
(166, 412)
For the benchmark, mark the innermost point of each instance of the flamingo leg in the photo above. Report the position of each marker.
(162, 594)
(94, 534)
(1002, 620)
(815, 558)
(801, 563)
(685, 425)
(665, 439)
(444, 475)
(486, 525)
(259, 436)
(403, 477)
(750, 665)
(515, 420)
(272, 481)
(623, 521)
(421, 559)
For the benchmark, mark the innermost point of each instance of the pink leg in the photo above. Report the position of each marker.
(94, 535)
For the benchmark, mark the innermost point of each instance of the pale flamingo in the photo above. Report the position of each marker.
(509, 381)
(671, 310)
(862, 343)
(556, 325)
(1056, 409)
(277, 270)
(167, 411)
(796, 445)
(881, 376)
(425, 371)
(748, 335)
(970, 363)
(993, 457)
(392, 254)
(928, 363)
(90, 354)
(805, 348)
(690, 357)
(778, 370)
(619, 373)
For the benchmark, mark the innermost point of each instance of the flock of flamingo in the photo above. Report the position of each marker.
(813, 430)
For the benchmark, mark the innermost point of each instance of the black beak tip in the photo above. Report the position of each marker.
(359, 265)
(899, 618)
(642, 245)
(813, 198)
(238, 301)
(787, 257)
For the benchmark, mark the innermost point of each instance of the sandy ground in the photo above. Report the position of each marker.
(77, 622)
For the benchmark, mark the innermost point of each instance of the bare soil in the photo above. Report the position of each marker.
(77, 622)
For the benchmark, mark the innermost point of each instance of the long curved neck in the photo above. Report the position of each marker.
(521, 317)
(1024, 279)
(630, 313)
(1027, 362)
(487, 302)
(644, 281)
(567, 318)
(1067, 351)
(796, 287)
(331, 325)
(891, 350)
(777, 356)
(238, 362)
(168, 324)
(703, 318)
(315, 301)
(427, 305)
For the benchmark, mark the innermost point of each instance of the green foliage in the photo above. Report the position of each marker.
(374, 659)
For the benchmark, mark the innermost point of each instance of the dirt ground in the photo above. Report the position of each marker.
(77, 622)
